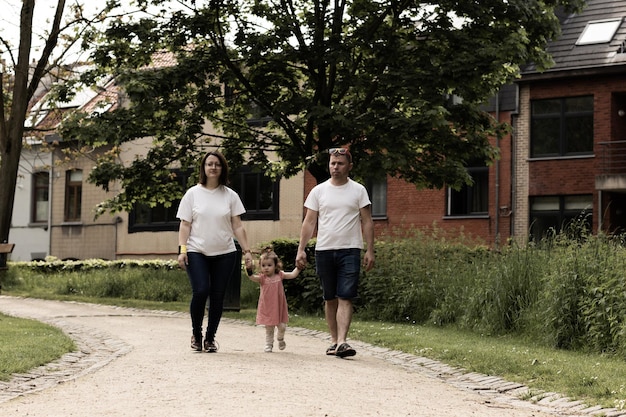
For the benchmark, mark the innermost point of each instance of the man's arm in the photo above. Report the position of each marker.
(367, 225)
(306, 233)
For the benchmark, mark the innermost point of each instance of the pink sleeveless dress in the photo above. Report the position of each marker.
(272, 308)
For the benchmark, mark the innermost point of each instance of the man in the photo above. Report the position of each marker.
(341, 210)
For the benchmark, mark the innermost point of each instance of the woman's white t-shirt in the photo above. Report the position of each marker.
(338, 214)
(210, 213)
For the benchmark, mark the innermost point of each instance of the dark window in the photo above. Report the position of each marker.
(258, 193)
(377, 190)
(471, 200)
(160, 218)
(551, 215)
(40, 197)
(73, 195)
(562, 126)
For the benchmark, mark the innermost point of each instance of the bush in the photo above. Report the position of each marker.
(419, 279)
(157, 280)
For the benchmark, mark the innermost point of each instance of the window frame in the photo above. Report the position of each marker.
(468, 196)
(377, 192)
(72, 208)
(563, 215)
(564, 119)
(599, 31)
(36, 189)
(170, 223)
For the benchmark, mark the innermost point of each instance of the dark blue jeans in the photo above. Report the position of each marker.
(339, 271)
(209, 277)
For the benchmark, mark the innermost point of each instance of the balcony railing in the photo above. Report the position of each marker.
(612, 157)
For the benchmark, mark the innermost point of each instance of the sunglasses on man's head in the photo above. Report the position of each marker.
(338, 151)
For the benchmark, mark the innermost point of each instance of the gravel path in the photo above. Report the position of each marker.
(138, 363)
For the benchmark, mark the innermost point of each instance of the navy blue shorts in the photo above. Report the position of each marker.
(338, 271)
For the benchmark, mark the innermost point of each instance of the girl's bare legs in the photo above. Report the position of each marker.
(269, 338)
(281, 336)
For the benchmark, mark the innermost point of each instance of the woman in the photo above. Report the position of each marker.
(209, 214)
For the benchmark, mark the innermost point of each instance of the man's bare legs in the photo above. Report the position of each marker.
(338, 313)
(330, 313)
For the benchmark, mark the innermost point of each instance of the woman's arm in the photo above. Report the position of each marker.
(183, 236)
(240, 234)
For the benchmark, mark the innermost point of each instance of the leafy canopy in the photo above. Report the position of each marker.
(398, 81)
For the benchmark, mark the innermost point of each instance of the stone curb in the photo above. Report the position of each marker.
(96, 350)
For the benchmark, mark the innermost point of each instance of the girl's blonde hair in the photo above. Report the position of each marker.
(268, 253)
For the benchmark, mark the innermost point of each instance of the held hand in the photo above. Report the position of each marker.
(301, 260)
(248, 261)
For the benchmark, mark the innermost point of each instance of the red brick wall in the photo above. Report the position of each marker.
(561, 177)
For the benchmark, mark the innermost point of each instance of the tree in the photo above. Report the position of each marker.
(400, 82)
(21, 81)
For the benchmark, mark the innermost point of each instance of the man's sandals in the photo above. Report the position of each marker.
(343, 350)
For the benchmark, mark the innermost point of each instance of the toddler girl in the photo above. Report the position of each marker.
(272, 309)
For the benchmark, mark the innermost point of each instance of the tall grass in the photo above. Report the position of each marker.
(152, 284)
(568, 292)
(150, 281)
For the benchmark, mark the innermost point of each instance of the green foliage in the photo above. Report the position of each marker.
(381, 78)
(160, 281)
(418, 279)
(586, 295)
(504, 287)
(52, 265)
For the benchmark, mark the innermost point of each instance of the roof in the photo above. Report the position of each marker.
(569, 54)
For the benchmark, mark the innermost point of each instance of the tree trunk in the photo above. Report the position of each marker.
(13, 130)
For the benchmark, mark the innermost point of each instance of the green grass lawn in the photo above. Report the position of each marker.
(26, 344)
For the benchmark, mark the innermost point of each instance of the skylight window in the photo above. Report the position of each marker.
(600, 31)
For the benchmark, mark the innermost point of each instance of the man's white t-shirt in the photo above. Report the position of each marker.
(210, 212)
(338, 214)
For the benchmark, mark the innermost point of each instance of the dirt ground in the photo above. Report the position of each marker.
(138, 363)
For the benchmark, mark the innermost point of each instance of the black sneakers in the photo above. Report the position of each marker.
(196, 344)
(211, 346)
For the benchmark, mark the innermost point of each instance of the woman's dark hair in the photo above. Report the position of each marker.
(223, 174)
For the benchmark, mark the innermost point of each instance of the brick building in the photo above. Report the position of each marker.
(570, 144)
